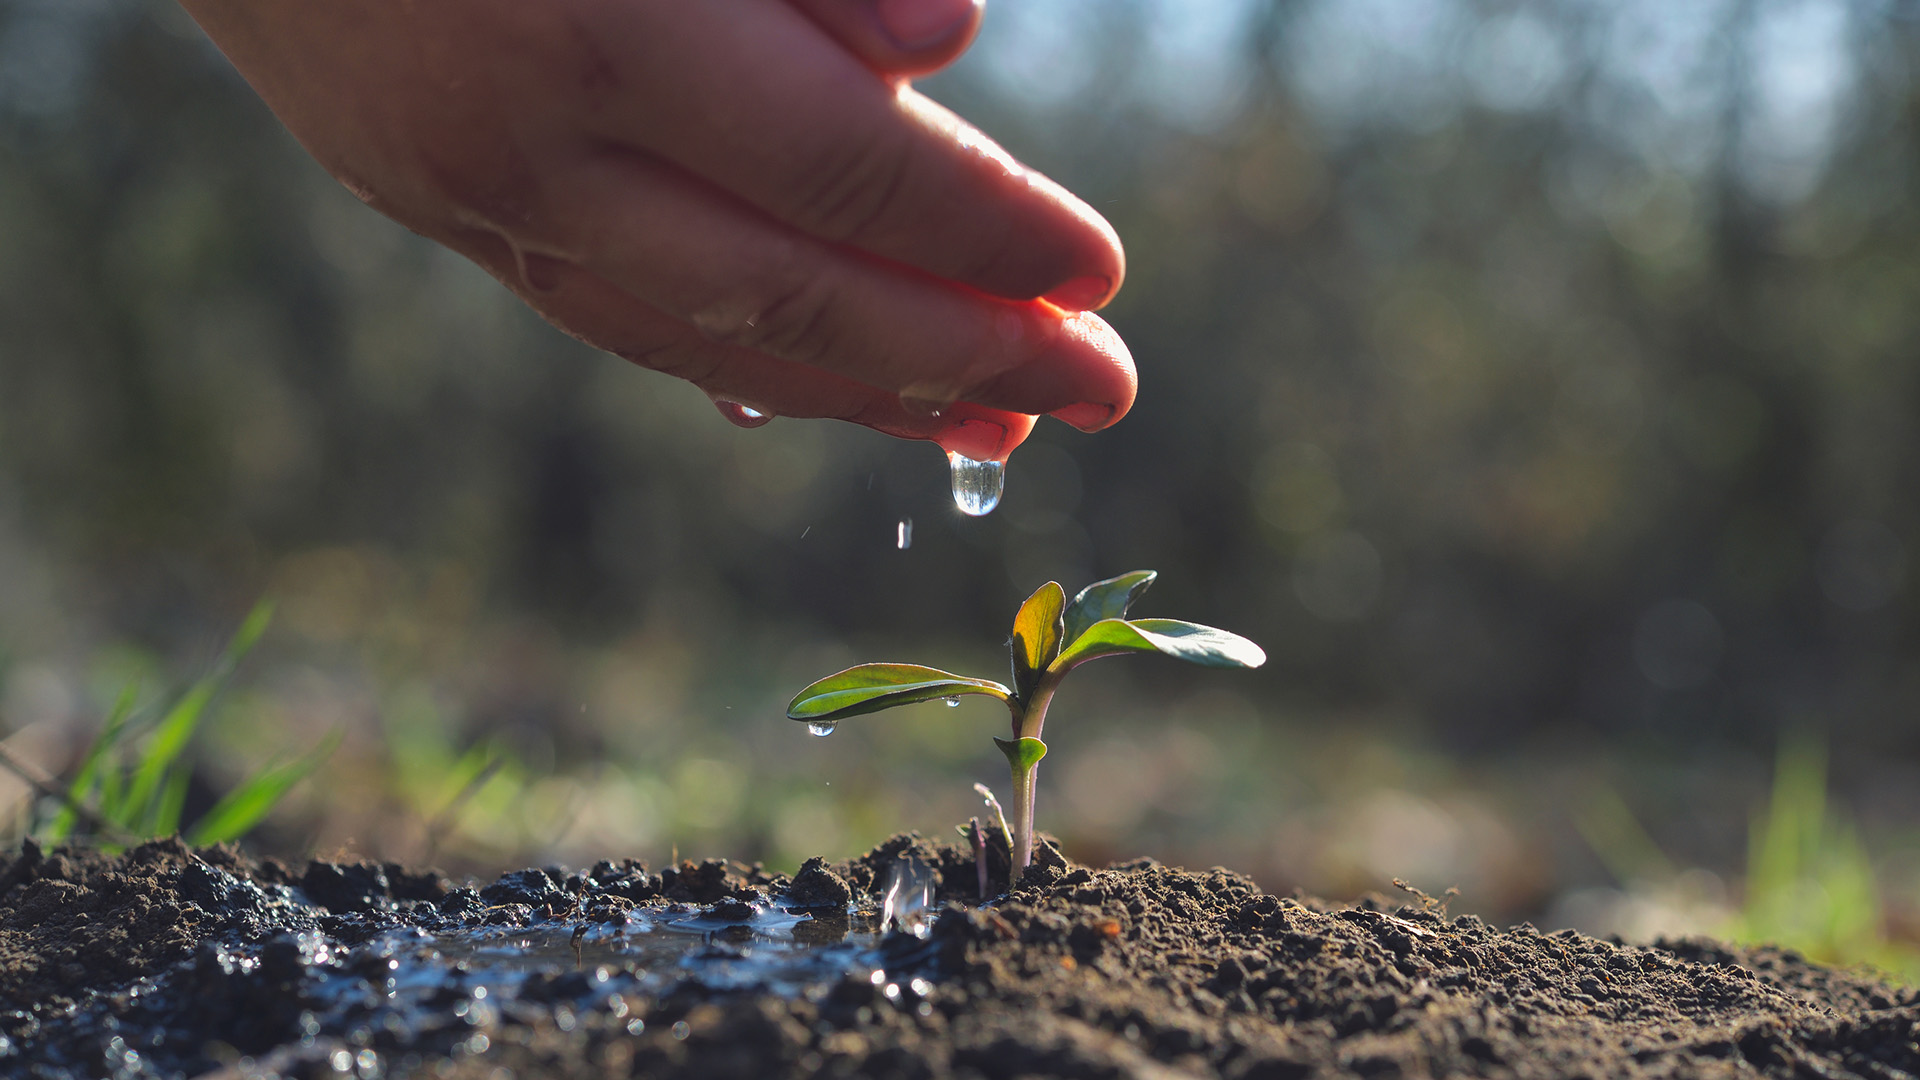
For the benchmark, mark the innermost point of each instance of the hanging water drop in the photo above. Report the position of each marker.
(903, 535)
(976, 484)
(822, 729)
(953, 702)
(741, 415)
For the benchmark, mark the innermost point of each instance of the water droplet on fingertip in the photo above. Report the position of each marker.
(822, 729)
(976, 484)
(741, 415)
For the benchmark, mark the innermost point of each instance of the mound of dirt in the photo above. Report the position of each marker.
(166, 961)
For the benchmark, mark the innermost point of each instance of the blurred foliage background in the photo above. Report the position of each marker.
(1534, 380)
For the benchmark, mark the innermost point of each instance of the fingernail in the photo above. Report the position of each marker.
(922, 24)
(981, 440)
(1082, 293)
(1087, 415)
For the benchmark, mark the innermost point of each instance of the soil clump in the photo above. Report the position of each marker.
(167, 961)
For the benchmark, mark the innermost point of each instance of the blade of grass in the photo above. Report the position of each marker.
(112, 791)
(1615, 834)
(166, 743)
(90, 774)
(171, 735)
(254, 798)
(489, 760)
(164, 820)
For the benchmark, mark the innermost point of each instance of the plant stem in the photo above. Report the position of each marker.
(1027, 723)
(1023, 787)
(979, 839)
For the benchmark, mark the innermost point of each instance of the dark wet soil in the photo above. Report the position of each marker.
(172, 962)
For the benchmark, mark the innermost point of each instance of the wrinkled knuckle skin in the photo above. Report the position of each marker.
(795, 324)
(791, 320)
(847, 192)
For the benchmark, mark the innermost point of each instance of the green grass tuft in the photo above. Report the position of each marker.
(131, 784)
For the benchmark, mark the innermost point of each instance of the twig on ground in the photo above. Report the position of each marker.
(46, 786)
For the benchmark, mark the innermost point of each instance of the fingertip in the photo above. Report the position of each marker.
(899, 38)
(984, 439)
(1088, 262)
(1089, 292)
(921, 26)
(1084, 376)
(975, 431)
(1088, 416)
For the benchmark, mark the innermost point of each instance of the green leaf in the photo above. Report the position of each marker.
(249, 802)
(1022, 754)
(1036, 635)
(1107, 599)
(1187, 641)
(870, 688)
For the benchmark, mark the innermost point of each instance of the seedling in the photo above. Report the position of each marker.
(1050, 638)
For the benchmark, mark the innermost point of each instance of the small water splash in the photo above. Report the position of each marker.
(909, 894)
(822, 729)
(741, 415)
(976, 484)
(903, 535)
(952, 702)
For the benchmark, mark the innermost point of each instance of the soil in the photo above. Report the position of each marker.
(168, 961)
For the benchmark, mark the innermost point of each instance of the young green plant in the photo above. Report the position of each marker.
(1051, 636)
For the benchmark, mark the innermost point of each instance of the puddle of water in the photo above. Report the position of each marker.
(767, 950)
(412, 990)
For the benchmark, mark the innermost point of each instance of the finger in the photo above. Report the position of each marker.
(598, 313)
(756, 99)
(899, 37)
(746, 280)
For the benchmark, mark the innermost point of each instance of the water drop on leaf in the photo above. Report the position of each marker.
(953, 702)
(822, 729)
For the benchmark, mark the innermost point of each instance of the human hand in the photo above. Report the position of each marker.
(742, 193)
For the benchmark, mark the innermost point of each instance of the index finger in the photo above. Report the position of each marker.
(756, 99)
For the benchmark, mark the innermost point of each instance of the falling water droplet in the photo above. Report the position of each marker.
(976, 484)
(741, 415)
(953, 702)
(822, 729)
(903, 536)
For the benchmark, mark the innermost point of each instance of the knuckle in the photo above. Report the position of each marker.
(796, 324)
(790, 318)
(847, 190)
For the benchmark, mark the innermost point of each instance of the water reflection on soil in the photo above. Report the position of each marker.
(406, 993)
(768, 949)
